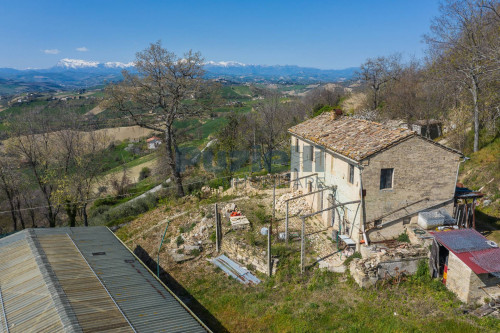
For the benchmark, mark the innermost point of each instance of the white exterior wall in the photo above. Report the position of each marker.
(332, 171)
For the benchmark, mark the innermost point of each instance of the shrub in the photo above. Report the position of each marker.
(195, 252)
(179, 241)
(106, 215)
(213, 237)
(354, 256)
(145, 173)
(215, 183)
(404, 238)
(422, 270)
(261, 215)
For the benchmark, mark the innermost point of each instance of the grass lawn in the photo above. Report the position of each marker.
(133, 162)
(327, 302)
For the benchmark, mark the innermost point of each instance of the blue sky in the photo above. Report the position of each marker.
(324, 34)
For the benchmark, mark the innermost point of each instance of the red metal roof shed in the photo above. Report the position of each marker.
(472, 248)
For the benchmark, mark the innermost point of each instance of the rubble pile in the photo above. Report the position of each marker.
(380, 262)
(404, 250)
(198, 236)
(295, 207)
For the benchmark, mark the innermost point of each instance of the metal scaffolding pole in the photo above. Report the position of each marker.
(286, 224)
(302, 245)
(310, 193)
(299, 178)
(274, 199)
(302, 240)
(298, 197)
(269, 261)
(217, 229)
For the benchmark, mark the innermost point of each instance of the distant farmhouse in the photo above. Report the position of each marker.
(83, 280)
(390, 174)
(153, 142)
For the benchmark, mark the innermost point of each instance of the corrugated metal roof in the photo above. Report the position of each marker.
(354, 138)
(26, 301)
(100, 284)
(475, 250)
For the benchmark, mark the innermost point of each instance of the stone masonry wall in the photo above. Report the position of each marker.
(467, 285)
(245, 254)
(421, 169)
(458, 277)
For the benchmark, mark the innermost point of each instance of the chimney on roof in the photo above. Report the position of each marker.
(335, 114)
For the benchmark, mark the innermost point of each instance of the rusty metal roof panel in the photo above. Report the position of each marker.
(354, 138)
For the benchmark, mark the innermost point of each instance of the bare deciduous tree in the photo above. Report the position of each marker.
(273, 121)
(10, 185)
(461, 42)
(164, 89)
(377, 72)
(31, 143)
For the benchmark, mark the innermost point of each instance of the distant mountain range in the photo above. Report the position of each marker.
(74, 73)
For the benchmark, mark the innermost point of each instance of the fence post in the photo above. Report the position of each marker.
(217, 229)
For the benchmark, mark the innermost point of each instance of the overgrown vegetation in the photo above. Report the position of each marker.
(322, 301)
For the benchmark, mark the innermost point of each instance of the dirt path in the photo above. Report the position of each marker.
(98, 109)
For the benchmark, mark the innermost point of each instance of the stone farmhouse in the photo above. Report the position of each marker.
(390, 174)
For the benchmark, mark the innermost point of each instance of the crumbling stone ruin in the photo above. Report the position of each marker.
(381, 262)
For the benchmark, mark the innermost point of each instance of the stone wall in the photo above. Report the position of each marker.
(421, 170)
(380, 263)
(245, 254)
(467, 285)
(458, 277)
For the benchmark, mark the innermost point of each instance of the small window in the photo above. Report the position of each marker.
(296, 145)
(386, 178)
(331, 164)
(351, 173)
(309, 186)
(312, 153)
(98, 253)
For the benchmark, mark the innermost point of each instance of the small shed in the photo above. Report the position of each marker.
(468, 262)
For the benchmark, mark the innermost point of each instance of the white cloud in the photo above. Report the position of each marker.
(82, 49)
(51, 51)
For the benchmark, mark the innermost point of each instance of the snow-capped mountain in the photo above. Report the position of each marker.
(78, 73)
(81, 64)
(76, 63)
(225, 63)
(117, 64)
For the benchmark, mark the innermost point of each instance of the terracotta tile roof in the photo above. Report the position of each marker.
(153, 138)
(351, 137)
